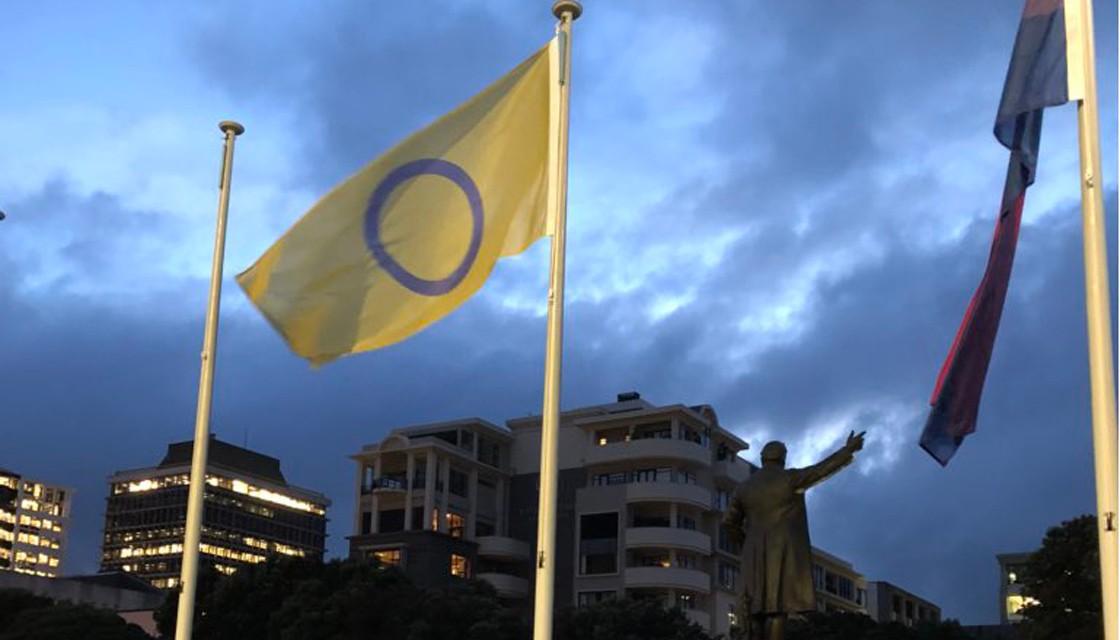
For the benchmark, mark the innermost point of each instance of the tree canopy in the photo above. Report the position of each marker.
(25, 616)
(1064, 577)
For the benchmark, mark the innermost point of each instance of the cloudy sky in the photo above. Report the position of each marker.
(780, 209)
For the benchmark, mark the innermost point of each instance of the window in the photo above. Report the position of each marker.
(686, 601)
(483, 528)
(909, 609)
(458, 481)
(723, 500)
(818, 577)
(645, 475)
(460, 566)
(455, 525)
(598, 543)
(846, 588)
(686, 522)
(686, 561)
(650, 520)
(728, 575)
(367, 521)
(588, 598)
(466, 440)
(732, 619)
(726, 544)
(388, 557)
(830, 582)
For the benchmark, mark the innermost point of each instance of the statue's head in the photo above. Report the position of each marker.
(774, 454)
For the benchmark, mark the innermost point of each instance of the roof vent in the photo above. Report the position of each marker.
(628, 396)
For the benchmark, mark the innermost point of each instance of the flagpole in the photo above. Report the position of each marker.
(192, 537)
(1097, 298)
(566, 11)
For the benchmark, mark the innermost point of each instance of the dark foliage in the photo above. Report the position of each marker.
(292, 599)
(1064, 576)
(624, 619)
(24, 616)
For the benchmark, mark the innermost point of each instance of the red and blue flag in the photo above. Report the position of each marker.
(1044, 71)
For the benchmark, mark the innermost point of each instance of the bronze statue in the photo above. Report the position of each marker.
(767, 516)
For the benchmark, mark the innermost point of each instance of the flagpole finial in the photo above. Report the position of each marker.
(229, 125)
(560, 7)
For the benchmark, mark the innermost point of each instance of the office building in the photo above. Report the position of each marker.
(889, 603)
(250, 513)
(34, 521)
(641, 493)
(1011, 598)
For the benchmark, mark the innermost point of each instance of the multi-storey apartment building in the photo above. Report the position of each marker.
(34, 519)
(838, 585)
(250, 512)
(890, 603)
(641, 494)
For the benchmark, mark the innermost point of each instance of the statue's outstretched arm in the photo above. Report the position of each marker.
(809, 476)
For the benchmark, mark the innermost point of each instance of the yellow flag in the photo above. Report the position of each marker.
(416, 232)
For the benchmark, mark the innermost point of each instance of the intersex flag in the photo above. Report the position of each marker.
(414, 233)
(1046, 70)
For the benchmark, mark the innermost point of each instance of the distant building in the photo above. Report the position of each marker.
(641, 494)
(34, 521)
(250, 513)
(1011, 598)
(131, 598)
(838, 585)
(889, 603)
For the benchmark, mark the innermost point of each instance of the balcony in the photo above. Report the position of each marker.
(692, 494)
(506, 585)
(664, 448)
(668, 578)
(502, 548)
(670, 538)
(390, 484)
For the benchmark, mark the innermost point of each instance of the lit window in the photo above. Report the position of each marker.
(1011, 577)
(455, 525)
(602, 442)
(392, 557)
(1015, 604)
(460, 567)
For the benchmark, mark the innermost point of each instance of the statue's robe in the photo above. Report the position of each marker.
(767, 515)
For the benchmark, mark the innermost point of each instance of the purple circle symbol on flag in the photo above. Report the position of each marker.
(377, 202)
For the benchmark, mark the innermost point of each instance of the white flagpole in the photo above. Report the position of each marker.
(566, 11)
(189, 578)
(1102, 383)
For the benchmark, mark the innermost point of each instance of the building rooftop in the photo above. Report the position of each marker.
(224, 454)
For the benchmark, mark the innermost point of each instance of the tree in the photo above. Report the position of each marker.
(24, 616)
(839, 625)
(296, 599)
(626, 619)
(1064, 577)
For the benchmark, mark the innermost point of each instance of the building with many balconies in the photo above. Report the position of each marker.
(642, 489)
(34, 519)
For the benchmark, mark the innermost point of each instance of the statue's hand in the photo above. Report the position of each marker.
(855, 442)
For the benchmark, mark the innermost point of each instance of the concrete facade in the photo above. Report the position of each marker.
(640, 499)
(890, 603)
